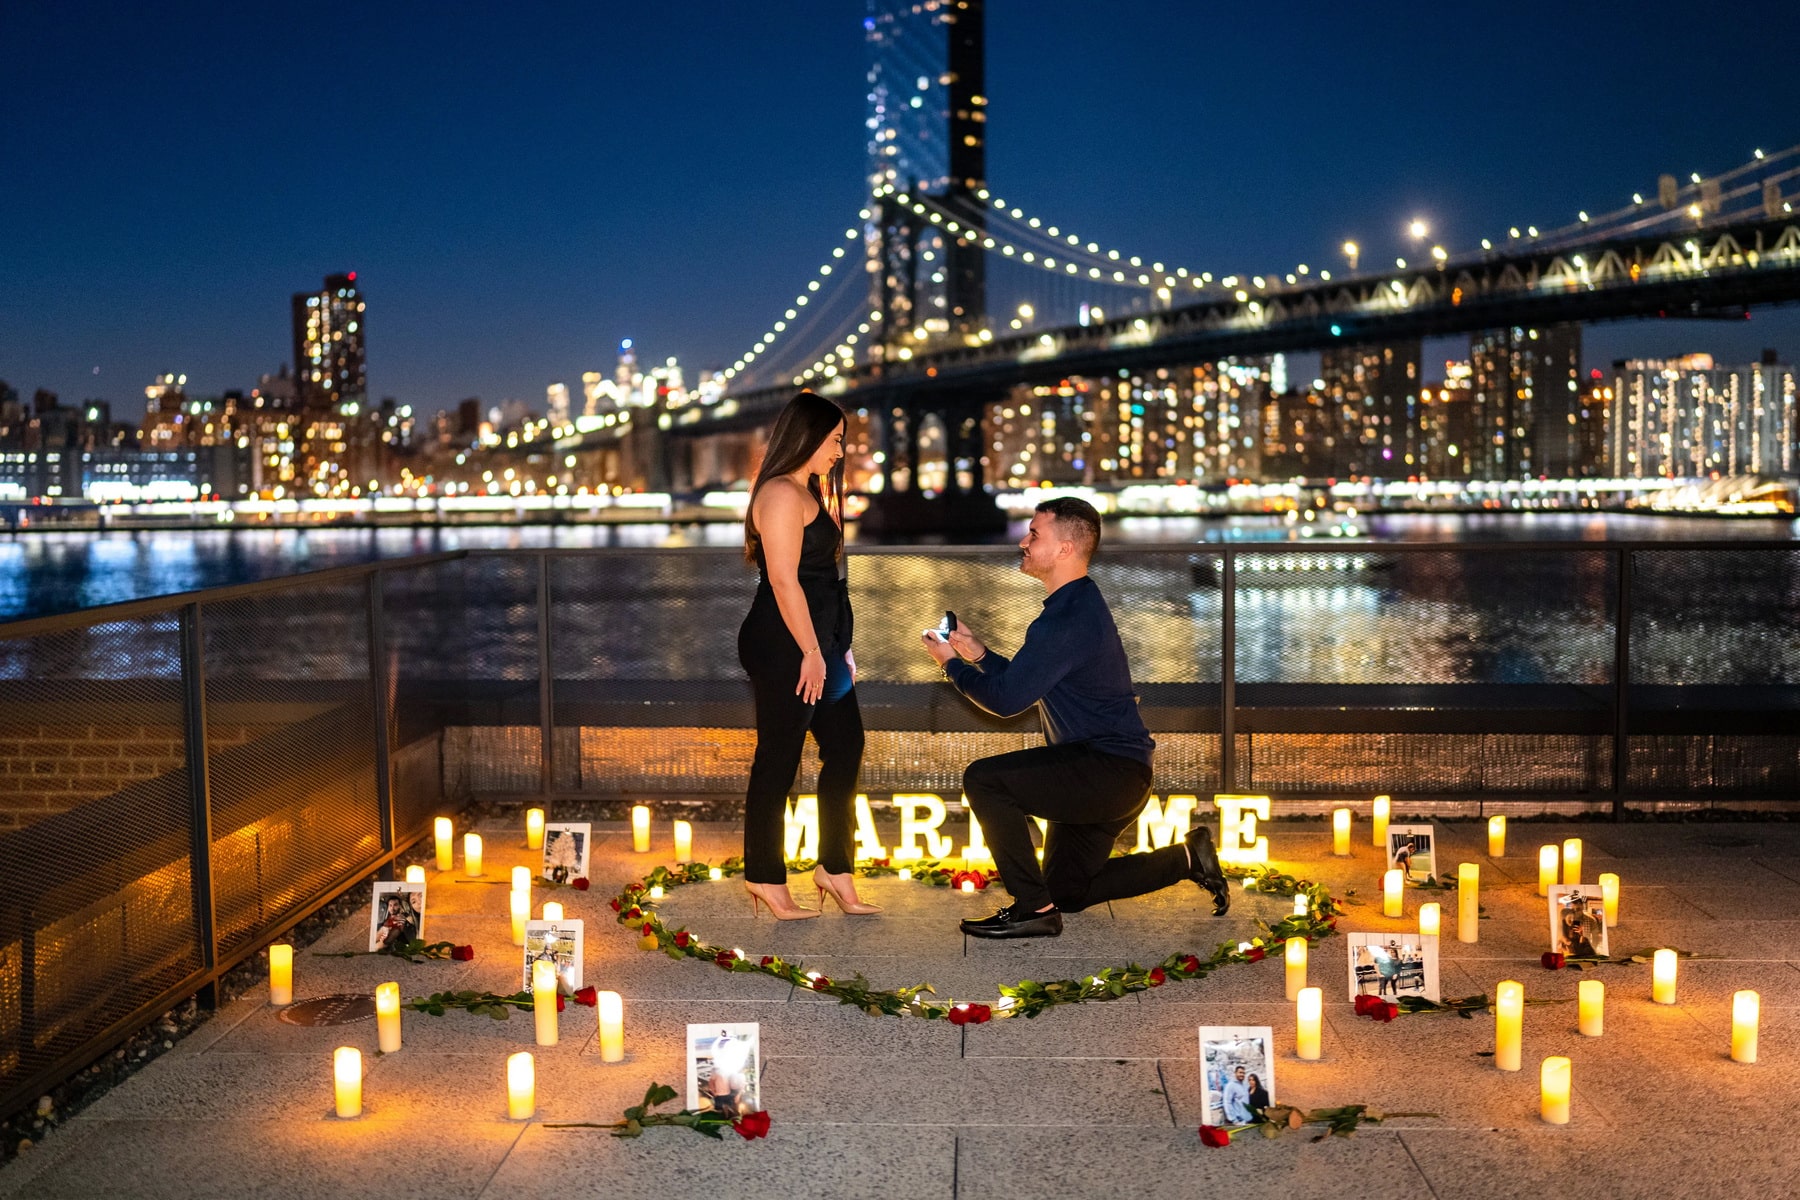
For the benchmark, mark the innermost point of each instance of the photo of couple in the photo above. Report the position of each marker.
(1238, 1073)
(1578, 920)
(724, 1068)
(1390, 965)
(397, 917)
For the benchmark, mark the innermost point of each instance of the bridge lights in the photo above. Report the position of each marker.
(1440, 254)
(1417, 229)
(1351, 252)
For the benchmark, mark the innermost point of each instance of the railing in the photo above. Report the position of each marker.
(187, 777)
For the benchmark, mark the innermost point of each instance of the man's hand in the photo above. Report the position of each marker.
(942, 651)
(966, 644)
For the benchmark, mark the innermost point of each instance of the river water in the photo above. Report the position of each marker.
(49, 572)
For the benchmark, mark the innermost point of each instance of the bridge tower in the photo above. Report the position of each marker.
(927, 137)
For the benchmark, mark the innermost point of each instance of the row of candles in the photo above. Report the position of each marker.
(444, 838)
(347, 1080)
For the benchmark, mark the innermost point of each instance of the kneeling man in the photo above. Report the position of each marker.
(1093, 778)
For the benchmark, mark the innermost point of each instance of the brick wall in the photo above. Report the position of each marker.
(49, 768)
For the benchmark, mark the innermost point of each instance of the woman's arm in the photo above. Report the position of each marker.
(780, 516)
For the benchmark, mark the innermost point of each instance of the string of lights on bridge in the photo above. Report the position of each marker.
(1074, 257)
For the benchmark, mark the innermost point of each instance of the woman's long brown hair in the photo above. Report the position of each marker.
(799, 431)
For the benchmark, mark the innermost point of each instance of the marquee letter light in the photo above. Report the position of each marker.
(1238, 815)
(1164, 824)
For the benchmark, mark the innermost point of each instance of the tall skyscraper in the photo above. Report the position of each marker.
(1689, 418)
(1527, 396)
(329, 363)
(927, 138)
(556, 403)
(1375, 390)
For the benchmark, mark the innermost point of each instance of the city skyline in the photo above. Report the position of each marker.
(514, 225)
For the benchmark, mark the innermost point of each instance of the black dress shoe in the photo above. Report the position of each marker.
(1204, 869)
(1010, 924)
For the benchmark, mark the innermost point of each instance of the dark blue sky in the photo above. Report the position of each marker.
(519, 187)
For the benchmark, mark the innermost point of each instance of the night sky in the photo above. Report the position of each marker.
(520, 186)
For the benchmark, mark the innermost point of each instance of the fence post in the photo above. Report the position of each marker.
(375, 598)
(1228, 675)
(193, 680)
(546, 685)
(1621, 760)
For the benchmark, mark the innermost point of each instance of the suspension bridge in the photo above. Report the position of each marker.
(941, 297)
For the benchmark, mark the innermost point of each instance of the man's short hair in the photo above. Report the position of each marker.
(1076, 521)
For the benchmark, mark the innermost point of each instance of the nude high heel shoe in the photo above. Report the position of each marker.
(775, 895)
(828, 886)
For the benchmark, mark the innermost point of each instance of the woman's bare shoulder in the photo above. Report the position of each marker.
(781, 499)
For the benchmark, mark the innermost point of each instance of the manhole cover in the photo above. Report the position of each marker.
(330, 1010)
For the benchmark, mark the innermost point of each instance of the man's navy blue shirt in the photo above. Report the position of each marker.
(1072, 666)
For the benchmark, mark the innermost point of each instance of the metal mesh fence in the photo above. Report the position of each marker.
(294, 810)
(97, 913)
(425, 662)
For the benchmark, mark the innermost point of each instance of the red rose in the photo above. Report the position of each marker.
(1364, 1004)
(559, 1002)
(1553, 961)
(883, 862)
(1254, 954)
(581, 884)
(682, 939)
(1212, 1135)
(649, 930)
(1157, 976)
(970, 1014)
(818, 983)
(768, 960)
(634, 914)
(616, 906)
(1191, 965)
(751, 1125)
(725, 958)
(462, 953)
(587, 997)
(1385, 1011)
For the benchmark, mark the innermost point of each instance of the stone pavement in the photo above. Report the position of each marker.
(1095, 1100)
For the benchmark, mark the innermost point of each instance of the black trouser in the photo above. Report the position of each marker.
(782, 721)
(1089, 798)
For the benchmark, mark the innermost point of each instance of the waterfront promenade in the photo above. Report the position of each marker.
(1091, 1100)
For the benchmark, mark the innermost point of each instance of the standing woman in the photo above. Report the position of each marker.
(795, 645)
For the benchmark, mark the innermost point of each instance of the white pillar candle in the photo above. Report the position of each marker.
(281, 973)
(346, 1073)
(1391, 900)
(1662, 977)
(1309, 1013)
(415, 873)
(1546, 869)
(1590, 1001)
(387, 1017)
(521, 1086)
(534, 829)
(1296, 967)
(472, 855)
(441, 831)
(684, 842)
(1571, 861)
(612, 1027)
(640, 829)
(1509, 1025)
(1340, 832)
(1468, 902)
(521, 913)
(1746, 1011)
(552, 911)
(1430, 918)
(543, 1001)
(1553, 1103)
(521, 879)
(1609, 898)
(1496, 837)
(1378, 830)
